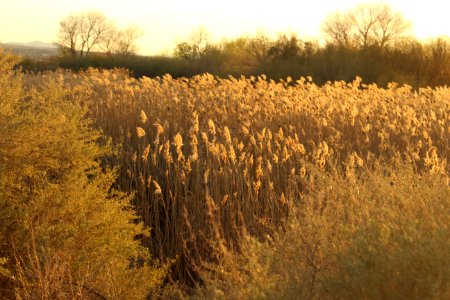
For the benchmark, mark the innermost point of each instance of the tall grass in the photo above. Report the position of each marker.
(214, 161)
(381, 236)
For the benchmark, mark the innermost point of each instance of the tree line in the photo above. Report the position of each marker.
(372, 41)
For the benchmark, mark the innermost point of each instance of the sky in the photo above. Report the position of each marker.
(164, 23)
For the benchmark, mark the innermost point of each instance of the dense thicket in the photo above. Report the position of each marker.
(64, 233)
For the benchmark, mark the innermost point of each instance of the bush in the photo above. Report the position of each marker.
(64, 232)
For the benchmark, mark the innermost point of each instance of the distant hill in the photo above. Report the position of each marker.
(35, 44)
(35, 50)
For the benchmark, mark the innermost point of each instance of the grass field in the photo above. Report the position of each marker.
(255, 189)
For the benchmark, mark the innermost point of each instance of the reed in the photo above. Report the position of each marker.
(211, 161)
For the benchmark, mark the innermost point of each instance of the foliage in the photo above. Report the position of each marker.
(406, 61)
(64, 232)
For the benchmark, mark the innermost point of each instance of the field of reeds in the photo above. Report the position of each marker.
(259, 189)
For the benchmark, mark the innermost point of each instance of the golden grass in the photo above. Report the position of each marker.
(212, 161)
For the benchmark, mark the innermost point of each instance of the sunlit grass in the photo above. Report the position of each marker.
(347, 183)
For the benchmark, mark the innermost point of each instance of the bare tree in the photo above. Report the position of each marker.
(109, 41)
(84, 32)
(390, 25)
(339, 28)
(199, 40)
(126, 41)
(366, 25)
(93, 27)
(363, 18)
(69, 33)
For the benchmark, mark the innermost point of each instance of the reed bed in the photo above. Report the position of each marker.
(211, 161)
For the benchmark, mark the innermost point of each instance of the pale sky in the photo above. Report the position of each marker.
(166, 22)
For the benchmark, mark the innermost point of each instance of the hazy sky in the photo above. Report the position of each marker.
(166, 22)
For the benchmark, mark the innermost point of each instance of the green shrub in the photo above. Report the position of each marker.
(64, 232)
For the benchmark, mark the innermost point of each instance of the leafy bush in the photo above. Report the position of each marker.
(64, 232)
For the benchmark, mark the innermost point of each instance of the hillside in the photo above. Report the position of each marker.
(35, 50)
